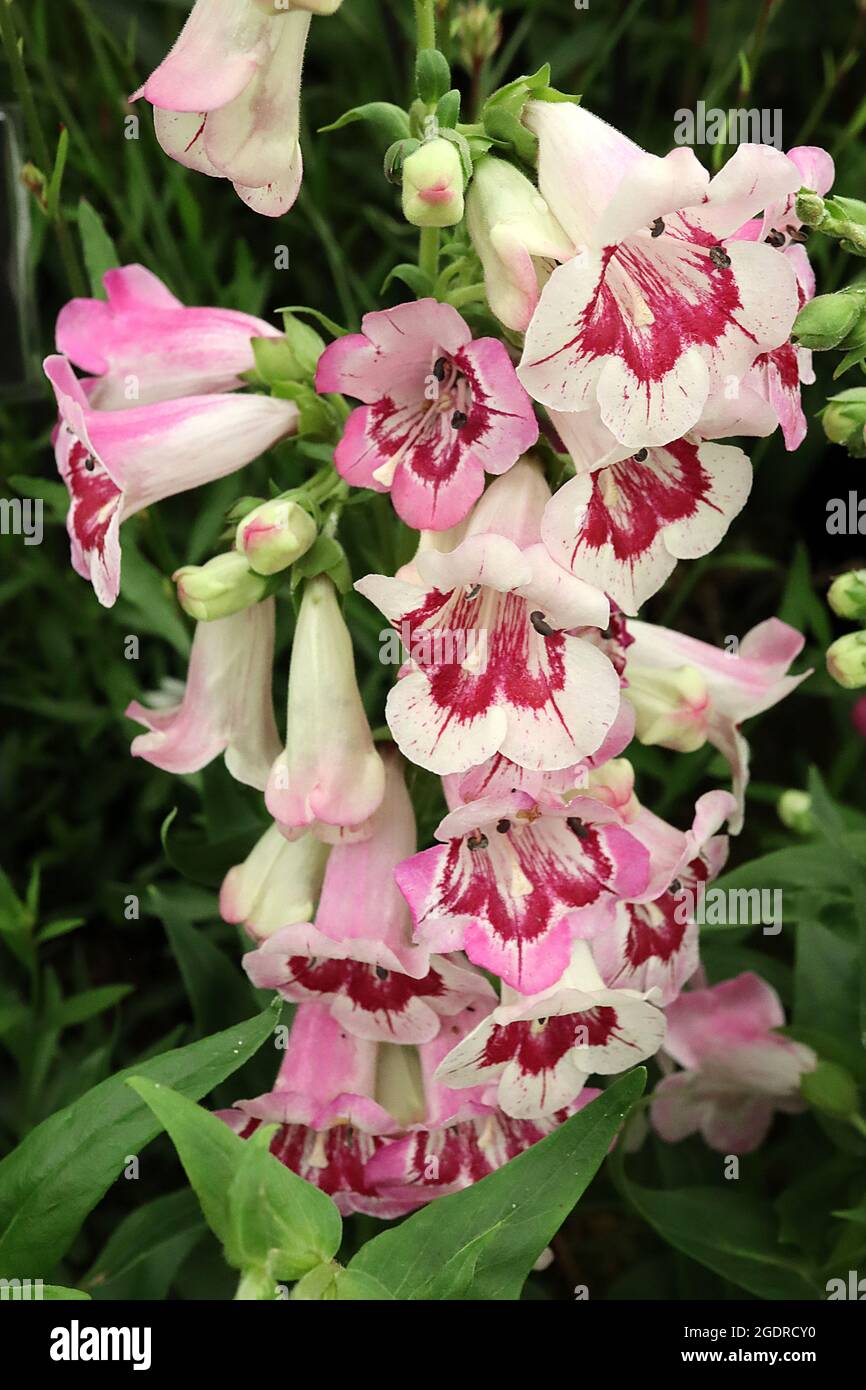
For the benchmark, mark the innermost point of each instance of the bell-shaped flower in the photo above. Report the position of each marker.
(737, 1071)
(277, 884)
(439, 410)
(141, 345)
(626, 518)
(227, 705)
(433, 184)
(686, 692)
(329, 777)
(494, 667)
(516, 237)
(660, 306)
(539, 1049)
(517, 878)
(116, 462)
(226, 99)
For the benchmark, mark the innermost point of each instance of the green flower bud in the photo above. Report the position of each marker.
(810, 208)
(844, 420)
(433, 185)
(830, 1089)
(477, 32)
(827, 320)
(794, 809)
(846, 660)
(223, 586)
(275, 535)
(847, 595)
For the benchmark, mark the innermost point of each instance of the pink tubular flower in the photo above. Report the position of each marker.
(226, 706)
(652, 943)
(660, 306)
(329, 777)
(277, 885)
(227, 97)
(361, 915)
(494, 665)
(116, 462)
(541, 1048)
(516, 879)
(624, 520)
(439, 410)
(737, 1071)
(367, 1122)
(687, 693)
(142, 345)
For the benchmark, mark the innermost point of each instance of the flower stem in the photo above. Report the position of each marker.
(425, 23)
(428, 251)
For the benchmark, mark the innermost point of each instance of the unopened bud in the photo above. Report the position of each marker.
(846, 660)
(847, 595)
(433, 185)
(275, 535)
(794, 809)
(223, 586)
(827, 320)
(844, 420)
(477, 31)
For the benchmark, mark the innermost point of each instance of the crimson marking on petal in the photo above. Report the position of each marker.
(388, 993)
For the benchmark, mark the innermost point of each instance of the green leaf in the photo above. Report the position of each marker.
(482, 1243)
(278, 1221)
(78, 1008)
(217, 989)
(100, 253)
(418, 280)
(731, 1233)
(64, 1166)
(156, 1236)
(432, 75)
(265, 1216)
(330, 1282)
(389, 121)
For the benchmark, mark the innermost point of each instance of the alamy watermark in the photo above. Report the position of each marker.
(737, 126)
(730, 907)
(466, 647)
(22, 517)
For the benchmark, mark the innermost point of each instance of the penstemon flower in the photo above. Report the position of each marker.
(660, 305)
(505, 675)
(440, 409)
(277, 884)
(227, 706)
(226, 99)
(737, 1071)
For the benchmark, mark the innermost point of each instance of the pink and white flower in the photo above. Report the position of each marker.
(329, 778)
(141, 345)
(226, 99)
(116, 462)
(540, 1049)
(660, 306)
(503, 673)
(686, 692)
(737, 1072)
(227, 706)
(439, 410)
(516, 880)
(277, 884)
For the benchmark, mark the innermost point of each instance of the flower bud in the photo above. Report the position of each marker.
(275, 535)
(794, 809)
(223, 586)
(846, 660)
(810, 209)
(433, 185)
(847, 595)
(827, 320)
(513, 232)
(671, 707)
(477, 31)
(844, 420)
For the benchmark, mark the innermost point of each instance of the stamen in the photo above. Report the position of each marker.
(719, 257)
(458, 419)
(657, 227)
(775, 237)
(477, 841)
(540, 623)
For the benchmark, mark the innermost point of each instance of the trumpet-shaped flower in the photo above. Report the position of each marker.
(329, 776)
(277, 884)
(737, 1071)
(660, 305)
(439, 410)
(495, 667)
(226, 706)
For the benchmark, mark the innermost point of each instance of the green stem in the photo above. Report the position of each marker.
(24, 93)
(428, 251)
(425, 23)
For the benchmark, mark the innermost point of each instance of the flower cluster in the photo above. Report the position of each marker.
(456, 1001)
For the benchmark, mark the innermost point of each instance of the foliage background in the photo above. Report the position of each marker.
(82, 819)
